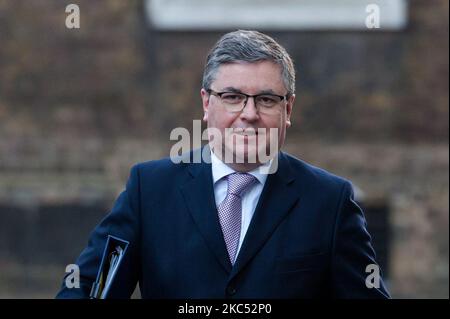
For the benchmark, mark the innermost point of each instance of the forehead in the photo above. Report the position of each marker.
(263, 75)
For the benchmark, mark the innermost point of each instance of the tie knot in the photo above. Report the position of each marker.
(238, 183)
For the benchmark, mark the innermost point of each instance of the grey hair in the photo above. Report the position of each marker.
(248, 46)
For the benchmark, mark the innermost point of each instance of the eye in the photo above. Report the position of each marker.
(232, 98)
(268, 100)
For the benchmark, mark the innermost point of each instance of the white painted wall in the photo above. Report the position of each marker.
(273, 15)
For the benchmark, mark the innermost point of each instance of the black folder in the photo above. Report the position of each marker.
(112, 258)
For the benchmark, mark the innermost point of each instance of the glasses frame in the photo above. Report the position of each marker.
(247, 96)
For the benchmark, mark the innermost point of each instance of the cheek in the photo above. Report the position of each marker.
(212, 118)
(280, 124)
(220, 119)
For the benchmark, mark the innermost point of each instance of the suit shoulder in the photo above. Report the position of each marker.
(162, 166)
(314, 174)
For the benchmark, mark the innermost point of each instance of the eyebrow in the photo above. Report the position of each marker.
(233, 89)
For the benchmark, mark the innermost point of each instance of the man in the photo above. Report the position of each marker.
(224, 228)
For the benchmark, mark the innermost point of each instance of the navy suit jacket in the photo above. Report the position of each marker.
(307, 238)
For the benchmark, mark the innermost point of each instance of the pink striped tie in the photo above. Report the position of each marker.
(230, 210)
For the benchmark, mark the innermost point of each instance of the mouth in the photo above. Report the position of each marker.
(245, 132)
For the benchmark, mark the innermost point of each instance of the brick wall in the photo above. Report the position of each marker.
(78, 107)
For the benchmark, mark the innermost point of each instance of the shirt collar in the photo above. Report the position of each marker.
(220, 170)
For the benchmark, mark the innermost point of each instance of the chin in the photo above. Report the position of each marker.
(245, 153)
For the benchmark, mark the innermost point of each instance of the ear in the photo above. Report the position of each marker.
(289, 106)
(205, 103)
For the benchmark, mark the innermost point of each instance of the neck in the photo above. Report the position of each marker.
(243, 167)
(239, 167)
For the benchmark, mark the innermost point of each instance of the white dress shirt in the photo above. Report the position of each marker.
(250, 197)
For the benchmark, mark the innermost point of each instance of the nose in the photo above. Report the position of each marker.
(250, 111)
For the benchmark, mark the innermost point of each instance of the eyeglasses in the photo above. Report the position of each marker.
(236, 101)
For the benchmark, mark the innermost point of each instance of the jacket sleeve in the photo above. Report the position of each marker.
(122, 222)
(353, 253)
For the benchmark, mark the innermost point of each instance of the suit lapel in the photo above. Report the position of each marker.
(276, 200)
(198, 193)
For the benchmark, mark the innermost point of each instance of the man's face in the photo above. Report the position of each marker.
(249, 78)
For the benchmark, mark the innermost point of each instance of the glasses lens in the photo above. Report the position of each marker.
(268, 100)
(233, 101)
(269, 104)
(233, 98)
